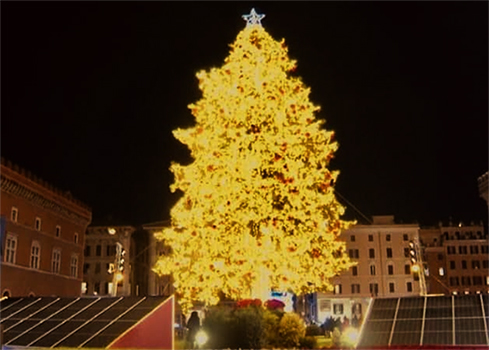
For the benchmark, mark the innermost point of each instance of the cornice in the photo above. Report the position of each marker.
(15, 188)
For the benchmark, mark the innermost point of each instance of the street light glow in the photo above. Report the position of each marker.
(201, 338)
(119, 277)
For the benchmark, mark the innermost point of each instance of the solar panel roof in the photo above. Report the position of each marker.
(427, 320)
(71, 322)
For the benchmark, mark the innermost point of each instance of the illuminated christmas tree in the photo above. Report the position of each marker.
(258, 209)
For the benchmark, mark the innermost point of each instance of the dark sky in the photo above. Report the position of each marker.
(92, 90)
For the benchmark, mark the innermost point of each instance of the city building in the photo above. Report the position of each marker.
(42, 236)
(157, 285)
(457, 258)
(108, 254)
(388, 265)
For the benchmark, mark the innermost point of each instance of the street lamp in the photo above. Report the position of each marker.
(416, 265)
(118, 268)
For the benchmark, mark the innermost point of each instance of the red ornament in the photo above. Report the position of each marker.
(274, 304)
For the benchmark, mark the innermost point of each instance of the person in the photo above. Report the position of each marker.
(345, 323)
(193, 326)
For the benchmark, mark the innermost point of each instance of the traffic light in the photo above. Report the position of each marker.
(414, 260)
(119, 258)
(120, 264)
(412, 253)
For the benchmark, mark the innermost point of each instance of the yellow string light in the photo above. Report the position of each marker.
(258, 209)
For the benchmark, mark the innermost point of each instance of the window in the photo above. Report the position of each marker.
(338, 309)
(454, 281)
(355, 289)
(75, 238)
(96, 288)
(14, 214)
(337, 289)
(58, 231)
(391, 287)
(461, 250)
(74, 266)
(37, 225)
(409, 286)
(97, 267)
(466, 281)
(374, 289)
(406, 252)
(353, 253)
(388, 238)
(372, 270)
(370, 238)
(407, 269)
(451, 249)
(485, 264)
(476, 264)
(452, 265)
(474, 249)
(356, 308)
(87, 250)
(354, 270)
(86, 268)
(84, 287)
(10, 248)
(390, 269)
(405, 237)
(477, 280)
(464, 264)
(113, 250)
(441, 271)
(484, 249)
(56, 261)
(35, 254)
(98, 251)
(106, 287)
(389, 252)
(371, 253)
(352, 238)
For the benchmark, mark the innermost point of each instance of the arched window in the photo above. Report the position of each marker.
(35, 254)
(6, 293)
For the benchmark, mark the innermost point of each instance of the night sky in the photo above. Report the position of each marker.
(92, 90)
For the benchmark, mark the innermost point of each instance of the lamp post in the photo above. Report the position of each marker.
(417, 267)
(117, 268)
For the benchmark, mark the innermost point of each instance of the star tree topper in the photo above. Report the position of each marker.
(253, 18)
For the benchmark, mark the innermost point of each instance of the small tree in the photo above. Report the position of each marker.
(271, 322)
(291, 330)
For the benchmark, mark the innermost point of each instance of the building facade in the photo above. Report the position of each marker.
(108, 253)
(457, 257)
(383, 252)
(42, 236)
(157, 285)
